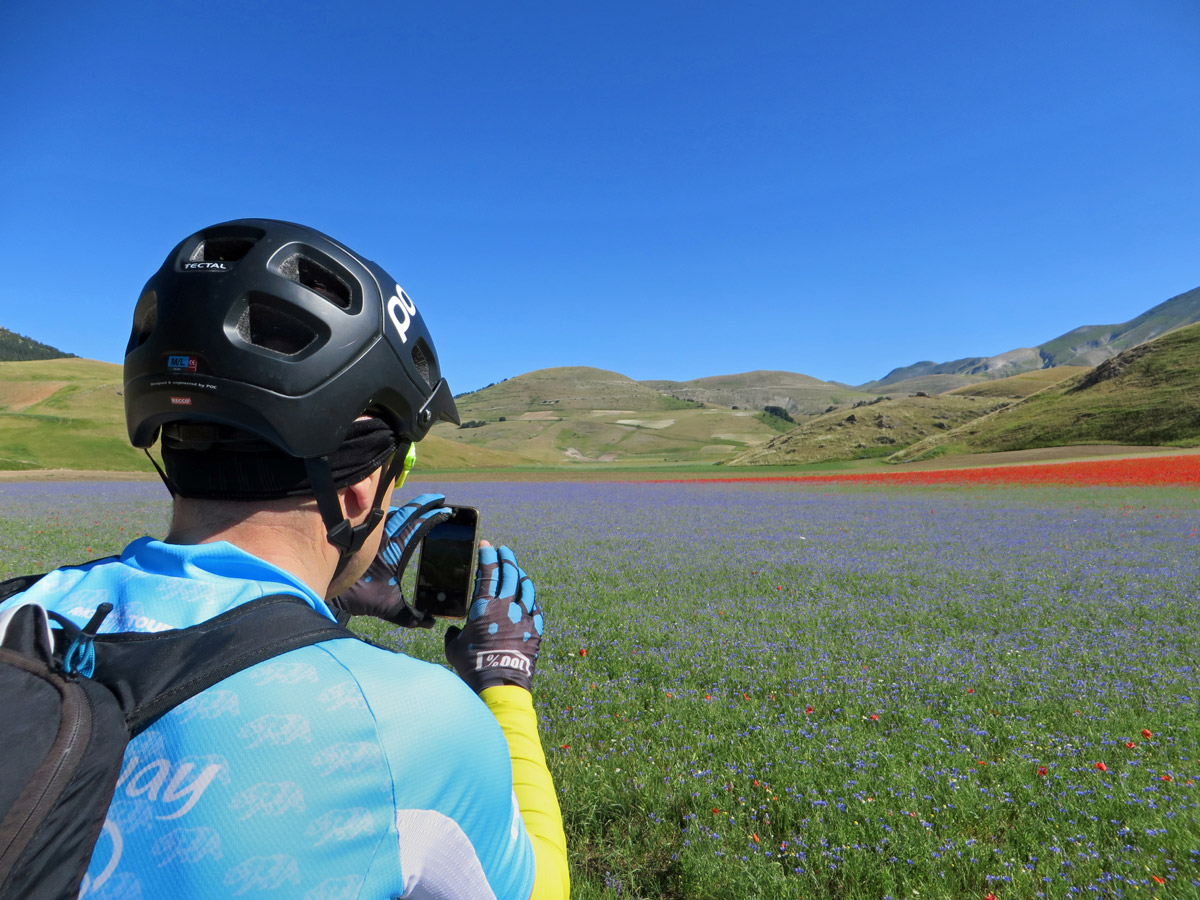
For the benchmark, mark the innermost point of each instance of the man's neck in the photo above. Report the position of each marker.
(291, 538)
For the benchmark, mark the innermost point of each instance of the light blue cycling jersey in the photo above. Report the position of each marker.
(335, 771)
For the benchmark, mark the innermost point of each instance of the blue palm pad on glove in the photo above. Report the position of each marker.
(378, 593)
(499, 644)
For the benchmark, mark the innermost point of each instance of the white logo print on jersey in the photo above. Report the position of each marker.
(160, 780)
(283, 671)
(277, 731)
(347, 757)
(340, 825)
(344, 695)
(263, 873)
(268, 799)
(209, 705)
(187, 845)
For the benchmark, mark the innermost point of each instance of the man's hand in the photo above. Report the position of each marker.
(499, 643)
(377, 593)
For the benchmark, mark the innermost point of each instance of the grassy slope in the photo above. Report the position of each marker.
(576, 414)
(754, 390)
(1018, 387)
(929, 384)
(69, 414)
(1149, 395)
(64, 413)
(873, 430)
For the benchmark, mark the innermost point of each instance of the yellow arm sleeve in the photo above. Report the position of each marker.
(513, 708)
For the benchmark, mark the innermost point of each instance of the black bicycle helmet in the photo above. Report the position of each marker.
(276, 330)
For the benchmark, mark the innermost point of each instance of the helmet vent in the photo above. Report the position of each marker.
(273, 329)
(421, 357)
(317, 277)
(145, 317)
(223, 248)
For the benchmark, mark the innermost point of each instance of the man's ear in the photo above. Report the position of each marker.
(359, 499)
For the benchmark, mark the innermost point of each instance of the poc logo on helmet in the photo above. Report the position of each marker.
(401, 305)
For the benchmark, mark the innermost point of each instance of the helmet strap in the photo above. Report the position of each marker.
(167, 481)
(346, 537)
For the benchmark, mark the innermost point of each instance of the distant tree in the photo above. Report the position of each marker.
(16, 347)
(472, 423)
(779, 412)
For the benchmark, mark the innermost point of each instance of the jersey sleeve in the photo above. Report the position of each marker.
(534, 788)
(458, 830)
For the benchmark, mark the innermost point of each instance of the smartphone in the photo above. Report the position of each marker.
(446, 568)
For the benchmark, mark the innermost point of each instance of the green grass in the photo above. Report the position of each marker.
(991, 631)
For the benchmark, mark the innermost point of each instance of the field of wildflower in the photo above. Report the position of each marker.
(967, 687)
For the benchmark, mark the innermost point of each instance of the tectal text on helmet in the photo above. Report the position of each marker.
(402, 303)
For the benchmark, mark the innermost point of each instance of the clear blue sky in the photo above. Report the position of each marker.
(666, 189)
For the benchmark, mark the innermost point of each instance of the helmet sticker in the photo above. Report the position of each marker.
(402, 303)
(182, 363)
(205, 267)
(181, 401)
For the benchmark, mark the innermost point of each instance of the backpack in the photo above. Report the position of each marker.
(73, 699)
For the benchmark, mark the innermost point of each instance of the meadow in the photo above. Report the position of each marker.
(844, 689)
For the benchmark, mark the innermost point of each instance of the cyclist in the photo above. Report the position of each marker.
(289, 379)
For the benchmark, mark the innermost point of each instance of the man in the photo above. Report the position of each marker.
(289, 379)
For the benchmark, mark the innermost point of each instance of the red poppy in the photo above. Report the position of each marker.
(1130, 744)
(1042, 771)
(755, 836)
(1147, 733)
(1159, 880)
(1102, 767)
(989, 896)
(1166, 777)
(808, 710)
(970, 690)
(583, 651)
(874, 718)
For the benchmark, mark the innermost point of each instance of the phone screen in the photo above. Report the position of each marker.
(445, 570)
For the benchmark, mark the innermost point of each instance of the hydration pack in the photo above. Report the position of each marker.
(72, 701)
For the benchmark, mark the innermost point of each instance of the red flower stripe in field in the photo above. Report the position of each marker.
(1156, 470)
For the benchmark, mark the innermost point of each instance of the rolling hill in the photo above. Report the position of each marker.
(69, 414)
(574, 415)
(798, 394)
(64, 414)
(874, 429)
(1147, 395)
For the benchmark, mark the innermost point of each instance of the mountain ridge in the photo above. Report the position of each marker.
(1087, 345)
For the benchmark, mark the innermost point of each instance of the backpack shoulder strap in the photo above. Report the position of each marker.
(12, 586)
(151, 673)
